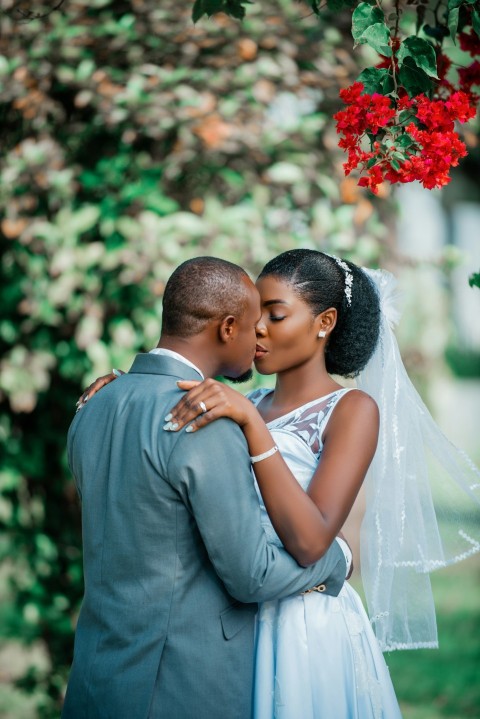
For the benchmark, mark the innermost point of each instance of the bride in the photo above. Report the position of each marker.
(317, 657)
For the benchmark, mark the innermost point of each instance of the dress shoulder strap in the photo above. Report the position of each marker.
(325, 416)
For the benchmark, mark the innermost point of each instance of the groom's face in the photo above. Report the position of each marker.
(243, 345)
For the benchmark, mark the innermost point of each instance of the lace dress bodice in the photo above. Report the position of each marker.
(299, 437)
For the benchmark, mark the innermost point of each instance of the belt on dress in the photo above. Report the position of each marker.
(318, 588)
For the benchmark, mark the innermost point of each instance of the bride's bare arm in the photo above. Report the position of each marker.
(307, 523)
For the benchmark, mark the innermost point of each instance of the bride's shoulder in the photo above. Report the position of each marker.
(355, 405)
(353, 396)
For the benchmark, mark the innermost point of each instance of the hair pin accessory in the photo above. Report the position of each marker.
(348, 279)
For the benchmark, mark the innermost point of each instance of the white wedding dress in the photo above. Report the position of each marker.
(316, 655)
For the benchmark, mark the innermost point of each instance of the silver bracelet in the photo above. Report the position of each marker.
(259, 457)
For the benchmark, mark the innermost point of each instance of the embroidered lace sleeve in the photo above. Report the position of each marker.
(308, 422)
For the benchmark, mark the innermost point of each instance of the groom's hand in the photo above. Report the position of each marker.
(350, 571)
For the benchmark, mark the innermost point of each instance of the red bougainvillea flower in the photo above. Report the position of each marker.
(351, 94)
(421, 145)
(469, 76)
(379, 113)
(363, 113)
(440, 114)
(433, 114)
(405, 102)
(373, 179)
(439, 152)
(470, 42)
(459, 106)
(443, 65)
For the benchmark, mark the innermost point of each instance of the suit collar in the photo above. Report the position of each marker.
(163, 365)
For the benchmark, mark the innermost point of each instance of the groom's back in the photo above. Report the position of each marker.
(151, 612)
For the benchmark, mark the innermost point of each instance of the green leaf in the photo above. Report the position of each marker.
(422, 54)
(474, 280)
(377, 80)
(453, 16)
(336, 5)
(414, 80)
(439, 32)
(405, 117)
(315, 5)
(285, 172)
(235, 8)
(363, 17)
(404, 141)
(476, 21)
(206, 7)
(83, 219)
(378, 37)
(197, 11)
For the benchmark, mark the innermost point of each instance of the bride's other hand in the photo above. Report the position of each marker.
(205, 402)
(95, 386)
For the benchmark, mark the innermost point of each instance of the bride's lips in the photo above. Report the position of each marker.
(260, 352)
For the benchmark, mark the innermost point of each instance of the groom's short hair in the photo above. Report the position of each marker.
(199, 291)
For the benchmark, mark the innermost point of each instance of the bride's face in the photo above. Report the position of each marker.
(287, 332)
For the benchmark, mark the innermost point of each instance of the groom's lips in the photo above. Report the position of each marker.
(260, 352)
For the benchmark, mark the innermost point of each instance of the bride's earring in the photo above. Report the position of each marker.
(322, 333)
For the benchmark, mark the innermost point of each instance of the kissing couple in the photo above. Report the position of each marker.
(214, 562)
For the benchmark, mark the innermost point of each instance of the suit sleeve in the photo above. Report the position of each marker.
(211, 471)
(70, 455)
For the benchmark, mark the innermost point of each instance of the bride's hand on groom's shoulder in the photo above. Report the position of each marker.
(205, 402)
(96, 385)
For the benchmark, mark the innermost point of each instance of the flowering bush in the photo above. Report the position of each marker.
(399, 123)
(409, 139)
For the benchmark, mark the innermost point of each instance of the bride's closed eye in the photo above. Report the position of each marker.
(276, 318)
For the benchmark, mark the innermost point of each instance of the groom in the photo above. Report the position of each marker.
(175, 558)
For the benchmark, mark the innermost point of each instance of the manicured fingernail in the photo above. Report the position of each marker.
(170, 426)
(190, 428)
(79, 407)
(168, 417)
(85, 398)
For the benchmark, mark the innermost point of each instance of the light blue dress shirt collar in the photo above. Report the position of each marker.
(177, 356)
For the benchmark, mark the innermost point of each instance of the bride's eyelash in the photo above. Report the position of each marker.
(274, 318)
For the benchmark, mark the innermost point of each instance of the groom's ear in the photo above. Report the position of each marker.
(227, 329)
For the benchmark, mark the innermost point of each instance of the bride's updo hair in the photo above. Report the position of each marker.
(319, 280)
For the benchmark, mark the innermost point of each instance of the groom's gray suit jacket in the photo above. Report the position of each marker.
(175, 558)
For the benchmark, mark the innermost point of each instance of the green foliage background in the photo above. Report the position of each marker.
(131, 141)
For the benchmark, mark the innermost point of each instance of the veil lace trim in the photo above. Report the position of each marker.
(422, 497)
